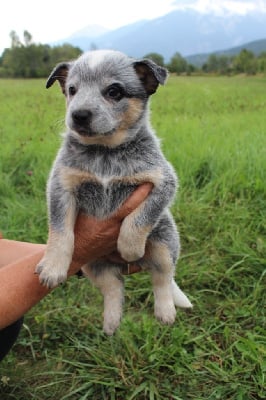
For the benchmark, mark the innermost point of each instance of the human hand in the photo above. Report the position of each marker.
(96, 238)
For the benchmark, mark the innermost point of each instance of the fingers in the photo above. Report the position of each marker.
(126, 268)
(130, 269)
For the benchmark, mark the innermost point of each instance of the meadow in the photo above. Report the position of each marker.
(213, 130)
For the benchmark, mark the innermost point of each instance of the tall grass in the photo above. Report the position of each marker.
(213, 132)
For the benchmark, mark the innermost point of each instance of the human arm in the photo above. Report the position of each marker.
(20, 288)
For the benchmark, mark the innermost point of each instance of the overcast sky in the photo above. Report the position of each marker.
(50, 20)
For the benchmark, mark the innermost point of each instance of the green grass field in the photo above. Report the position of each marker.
(213, 131)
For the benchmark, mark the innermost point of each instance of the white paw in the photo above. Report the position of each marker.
(111, 322)
(165, 312)
(130, 254)
(132, 240)
(131, 248)
(51, 274)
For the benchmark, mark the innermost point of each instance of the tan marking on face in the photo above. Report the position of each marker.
(132, 114)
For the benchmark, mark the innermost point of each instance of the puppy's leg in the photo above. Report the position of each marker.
(162, 274)
(132, 239)
(160, 259)
(110, 282)
(53, 267)
(137, 226)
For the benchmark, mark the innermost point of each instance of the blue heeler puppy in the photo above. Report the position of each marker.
(108, 150)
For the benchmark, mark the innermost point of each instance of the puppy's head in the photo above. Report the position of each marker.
(106, 94)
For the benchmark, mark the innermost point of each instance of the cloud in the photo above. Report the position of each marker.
(223, 7)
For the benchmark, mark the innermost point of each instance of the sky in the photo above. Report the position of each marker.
(51, 20)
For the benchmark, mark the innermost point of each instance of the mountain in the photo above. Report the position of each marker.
(91, 31)
(185, 31)
(83, 37)
(256, 47)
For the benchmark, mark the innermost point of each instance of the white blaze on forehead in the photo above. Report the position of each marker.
(97, 57)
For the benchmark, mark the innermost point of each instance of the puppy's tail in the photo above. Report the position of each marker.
(180, 299)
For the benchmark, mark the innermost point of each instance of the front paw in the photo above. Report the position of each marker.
(130, 251)
(51, 274)
(131, 248)
(132, 240)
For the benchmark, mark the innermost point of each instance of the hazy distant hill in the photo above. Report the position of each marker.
(83, 37)
(185, 31)
(256, 47)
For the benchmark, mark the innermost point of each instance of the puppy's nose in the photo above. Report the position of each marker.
(81, 117)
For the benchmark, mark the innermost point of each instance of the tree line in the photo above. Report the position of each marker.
(25, 59)
(245, 62)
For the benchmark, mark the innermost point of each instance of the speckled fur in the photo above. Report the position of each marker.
(108, 150)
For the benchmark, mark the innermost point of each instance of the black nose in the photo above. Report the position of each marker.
(81, 117)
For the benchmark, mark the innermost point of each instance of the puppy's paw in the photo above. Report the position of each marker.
(111, 323)
(112, 314)
(132, 241)
(113, 310)
(131, 251)
(165, 312)
(51, 274)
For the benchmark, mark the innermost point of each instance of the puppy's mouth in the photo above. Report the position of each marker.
(90, 133)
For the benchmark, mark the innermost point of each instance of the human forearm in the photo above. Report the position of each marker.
(20, 288)
(19, 285)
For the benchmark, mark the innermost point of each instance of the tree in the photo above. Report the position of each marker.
(30, 60)
(177, 64)
(15, 42)
(262, 62)
(217, 64)
(157, 58)
(245, 62)
(27, 38)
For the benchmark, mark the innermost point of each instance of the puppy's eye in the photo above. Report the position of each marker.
(115, 92)
(72, 90)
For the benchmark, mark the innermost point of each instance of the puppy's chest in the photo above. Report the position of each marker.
(101, 181)
(102, 196)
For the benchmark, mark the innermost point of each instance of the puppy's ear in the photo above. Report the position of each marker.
(59, 74)
(150, 74)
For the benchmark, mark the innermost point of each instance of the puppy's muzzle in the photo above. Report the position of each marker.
(81, 120)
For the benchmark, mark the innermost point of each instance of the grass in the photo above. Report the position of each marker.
(213, 132)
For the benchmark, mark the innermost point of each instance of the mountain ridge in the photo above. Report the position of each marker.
(257, 47)
(185, 31)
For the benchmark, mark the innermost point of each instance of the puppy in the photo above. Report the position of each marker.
(108, 150)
